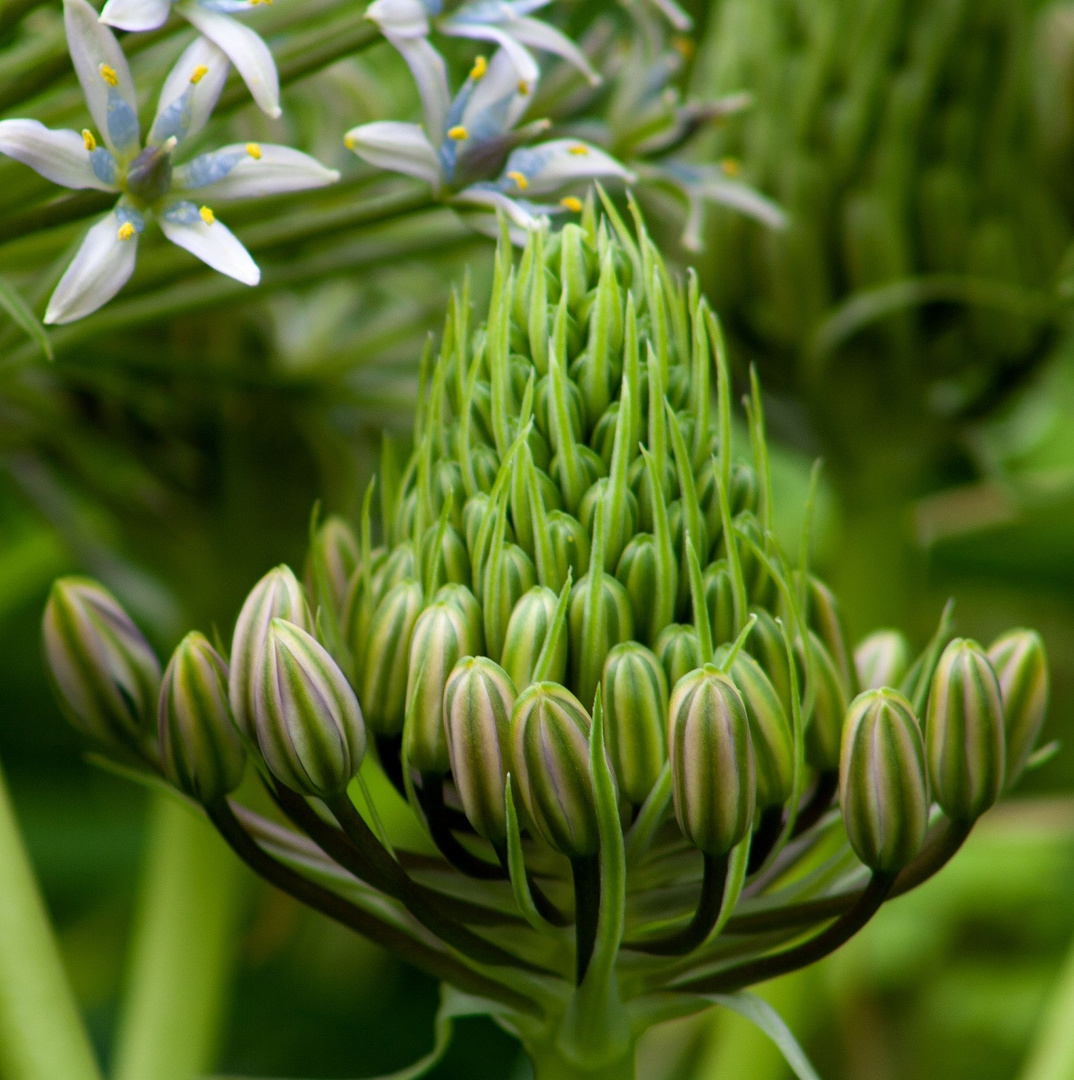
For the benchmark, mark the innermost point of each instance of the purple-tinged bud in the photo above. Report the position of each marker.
(526, 635)
(882, 659)
(332, 560)
(1021, 666)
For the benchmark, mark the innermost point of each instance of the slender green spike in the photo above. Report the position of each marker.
(798, 736)
(667, 579)
(559, 332)
(632, 368)
(759, 446)
(521, 515)
(390, 489)
(702, 627)
(605, 339)
(499, 363)
(593, 634)
(644, 247)
(723, 394)
(693, 295)
(436, 556)
(673, 294)
(537, 322)
(728, 660)
(469, 478)
(625, 238)
(658, 445)
(734, 561)
(603, 239)
(543, 554)
(916, 683)
(617, 523)
(807, 528)
(447, 343)
(461, 308)
(658, 321)
(556, 630)
(493, 584)
(650, 817)
(572, 272)
(497, 505)
(520, 304)
(588, 220)
(691, 508)
(423, 389)
(699, 381)
(516, 868)
(573, 477)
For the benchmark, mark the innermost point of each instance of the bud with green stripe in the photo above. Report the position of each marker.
(882, 659)
(382, 671)
(825, 730)
(527, 633)
(1021, 665)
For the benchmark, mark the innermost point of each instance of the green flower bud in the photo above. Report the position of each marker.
(635, 696)
(399, 566)
(720, 601)
(543, 407)
(201, 751)
(825, 728)
(637, 573)
(592, 635)
(678, 651)
(770, 732)
(506, 581)
(766, 645)
(712, 768)
(440, 637)
(478, 701)
(964, 737)
(382, 672)
(486, 464)
(277, 595)
(758, 581)
(105, 676)
(460, 597)
(307, 720)
(550, 759)
(358, 609)
(642, 489)
(333, 558)
(526, 634)
(883, 783)
(882, 659)
(446, 479)
(570, 548)
(454, 561)
(622, 529)
(1021, 666)
(473, 514)
(826, 618)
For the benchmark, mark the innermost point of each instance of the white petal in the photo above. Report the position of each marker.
(401, 18)
(102, 266)
(742, 197)
(216, 245)
(399, 147)
(518, 213)
(237, 172)
(98, 59)
(430, 74)
(185, 105)
(244, 48)
(550, 165)
(59, 156)
(539, 35)
(499, 98)
(674, 14)
(136, 14)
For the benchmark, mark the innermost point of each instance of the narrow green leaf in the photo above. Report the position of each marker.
(23, 317)
(760, 1013)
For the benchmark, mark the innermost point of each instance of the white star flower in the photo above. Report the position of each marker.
(149, 185)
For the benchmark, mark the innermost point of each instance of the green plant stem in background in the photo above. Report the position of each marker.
(41, 1032)
(182, 951)
(1052, 1054)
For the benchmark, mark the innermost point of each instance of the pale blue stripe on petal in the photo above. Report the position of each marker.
(103, 165)
(207, 169)
(122, 123)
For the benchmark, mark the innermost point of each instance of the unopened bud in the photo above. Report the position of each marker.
(201, 751)
(712, 768)
(826, 618)
(589, 645)
(825, 731)
(309, 726)
(104, 674)
(882, 659)
(720, 601)
(332, 561)
(382, 671)
(767, 646)
(526, 635)
(883, 782)
(452, 559)
(964, 738)
(1021, 666)
(678, 651)
(461, 598)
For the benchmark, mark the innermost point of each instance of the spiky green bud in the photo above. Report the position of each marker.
(278, 595)
(1021, 665)
(526, 635)
(635, 696)
(883, 782)
(825, 730)
(103, 671)
(882, 659)
(201, 751)
(712, 766)
(307, 720)
(382, 670)
(964, 736)
(550, 759)
(478, 702)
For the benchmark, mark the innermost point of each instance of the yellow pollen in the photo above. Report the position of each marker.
(458, 133)
(579, 150)
(207, 215)
(253, 150)
(729, 167)
(254, 3)
(198, 74)
(523, 86)
(571, 203)
(683, 46)
(109, 75)
(348, 141)
(126, 231)
(88, 139)
(481, 65)
(519, 179)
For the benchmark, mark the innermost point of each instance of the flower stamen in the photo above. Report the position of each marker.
(730, 167)
(88, 140)
(254, 150)
(579, 150)
(570, 202)
(523, 87)
(109, 75)
(126, 231)
(198, 74)
(481, 65)
(519, 179)
(458, 133)
(207, 215)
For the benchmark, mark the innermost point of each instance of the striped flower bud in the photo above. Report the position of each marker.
(440, 637)
(550, 759)
(507, 579)
(594, 634)
(201, 751)
(720, 601)
(678, 651)
(826, 618)
(461, 598)
(882, 659)
(770, 732)
(637, 573)
(278, 595)
(452, 559)
(712, 768)
(473, 515)
(883, 782)
(526, 634)
(105, 676)
(766, 645)
(332, 560)
(635, 696)
(964, 737)
(825, 731)
(570, 548)
(308, 723)
(1021, 666)
(382, 671)
(478, 701)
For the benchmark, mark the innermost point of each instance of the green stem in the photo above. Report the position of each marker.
(1052, 1054)
(549, 1063)
(183, 950)
(41, 1032)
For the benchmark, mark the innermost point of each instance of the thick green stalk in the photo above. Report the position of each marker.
(550, 1064)
(183, 949)
(1052, 1054)
(41, 1032)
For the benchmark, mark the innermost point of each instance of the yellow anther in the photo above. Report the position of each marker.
(109, 75)
(684, 46)
(523, 87)
(126, 231)
(571, 203)
(519, 179)
(481, 65)
(348, 141)
(730, 167)
(254, 150)
(198, 74)
(578, 150)
(207, 215)
(88, 140)
(254, 3)
(458, 133)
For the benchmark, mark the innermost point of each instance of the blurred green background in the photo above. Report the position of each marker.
(910, 326)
